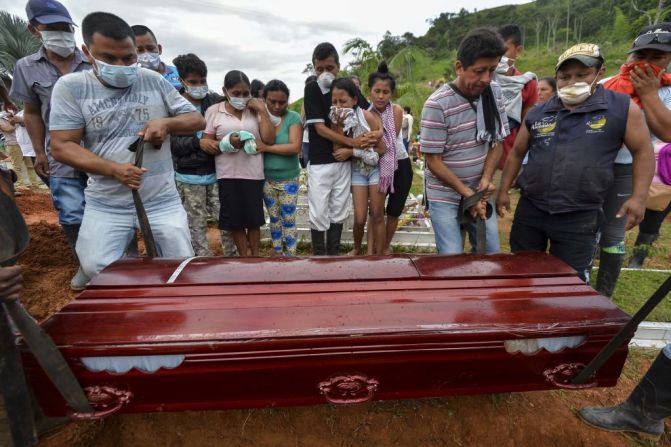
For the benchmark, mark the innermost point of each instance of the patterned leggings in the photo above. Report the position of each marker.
(280, 198)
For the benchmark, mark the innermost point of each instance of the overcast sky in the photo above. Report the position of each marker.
(265, 38)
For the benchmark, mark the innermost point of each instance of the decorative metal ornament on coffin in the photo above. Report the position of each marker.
(208, 333)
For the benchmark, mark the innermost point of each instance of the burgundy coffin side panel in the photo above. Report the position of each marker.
(260, 332)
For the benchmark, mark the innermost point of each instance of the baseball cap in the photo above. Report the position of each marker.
(654, 37)
(588, 54)
(47, 11)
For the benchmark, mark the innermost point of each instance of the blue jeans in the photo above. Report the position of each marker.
(67, 194)
(448, 232)
(104, 236)
(667, 351)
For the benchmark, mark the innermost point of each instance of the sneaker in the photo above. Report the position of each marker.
(79, 281)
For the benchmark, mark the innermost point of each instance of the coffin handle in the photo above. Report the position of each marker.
(349, 389)
(105, 400)
(562, 375)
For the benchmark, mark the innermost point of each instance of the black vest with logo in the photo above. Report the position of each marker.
(572, 153)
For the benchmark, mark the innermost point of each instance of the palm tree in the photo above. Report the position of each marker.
(405, 62)
(15, 42)
(365, 58)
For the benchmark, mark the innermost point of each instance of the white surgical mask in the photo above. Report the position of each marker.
(326, 79)
(504, 65)
(276, 120)
(196, 92)
(239, 103)
(60, 42)
(576, 93)
(119, 76)
(149, 60)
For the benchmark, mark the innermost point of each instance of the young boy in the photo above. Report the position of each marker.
(329, 180)
(520, 90)
(193, 158)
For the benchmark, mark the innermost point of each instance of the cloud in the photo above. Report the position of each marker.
(267, 38)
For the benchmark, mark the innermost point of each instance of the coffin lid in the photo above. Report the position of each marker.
(223, 270)
(244, 300)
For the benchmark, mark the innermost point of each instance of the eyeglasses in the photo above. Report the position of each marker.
(662, 37)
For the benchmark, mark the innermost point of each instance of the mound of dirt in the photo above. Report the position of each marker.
(47, 266)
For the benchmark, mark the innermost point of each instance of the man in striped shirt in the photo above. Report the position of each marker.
(463, 124)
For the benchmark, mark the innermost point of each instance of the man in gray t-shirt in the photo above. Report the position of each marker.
(95, 117)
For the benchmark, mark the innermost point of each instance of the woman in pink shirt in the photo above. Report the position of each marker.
(237, 123)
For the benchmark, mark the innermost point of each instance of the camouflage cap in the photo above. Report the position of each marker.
(588, 54)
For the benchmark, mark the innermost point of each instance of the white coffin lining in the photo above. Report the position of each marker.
(532, 346)
(123, 364)
(179, 269)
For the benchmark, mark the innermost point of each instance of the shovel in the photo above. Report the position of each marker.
(145, 228)
(13, 241)
(624, 333)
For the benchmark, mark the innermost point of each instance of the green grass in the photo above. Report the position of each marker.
(417, 182)
(634, 288)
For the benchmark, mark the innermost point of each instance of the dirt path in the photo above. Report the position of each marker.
(519, 419)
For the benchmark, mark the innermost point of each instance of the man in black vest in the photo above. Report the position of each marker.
(572, 141)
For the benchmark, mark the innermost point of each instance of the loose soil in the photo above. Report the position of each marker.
(517, 419)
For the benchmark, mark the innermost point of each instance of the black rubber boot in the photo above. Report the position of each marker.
(609, 271)
(641, 248)
(318, 246)
(333, 239)
(645, 409)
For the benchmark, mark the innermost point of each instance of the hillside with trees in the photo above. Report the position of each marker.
(549, 26)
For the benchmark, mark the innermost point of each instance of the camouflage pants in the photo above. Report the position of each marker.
(200, 202)
(280, 198)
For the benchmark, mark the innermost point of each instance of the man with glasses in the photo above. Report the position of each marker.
(33, 80)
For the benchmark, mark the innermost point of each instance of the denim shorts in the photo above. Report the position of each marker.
(365, 178)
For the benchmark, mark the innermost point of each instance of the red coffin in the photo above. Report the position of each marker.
(251, 332)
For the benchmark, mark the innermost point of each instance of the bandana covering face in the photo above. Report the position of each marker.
(622, 81)
(388, 163)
